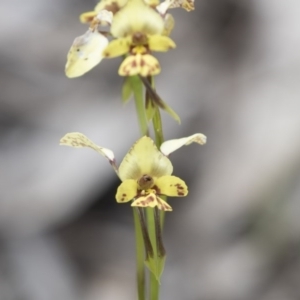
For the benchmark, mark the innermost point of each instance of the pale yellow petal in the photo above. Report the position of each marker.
(144, 158)
(85, 53)
(136, 16)
(79, 140)
(172, 145)
(163, 205)
(117, 47)
(160, 43)
(145, 201)
(127, 190)
(171, 186)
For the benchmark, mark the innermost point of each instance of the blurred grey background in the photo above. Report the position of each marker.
(235, 76)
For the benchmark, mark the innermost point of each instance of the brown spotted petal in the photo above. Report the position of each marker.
(146, 201)
(171, 186)
(188, 5)
(79, 140)
(126, 191)
(139, 64)
(163, 205)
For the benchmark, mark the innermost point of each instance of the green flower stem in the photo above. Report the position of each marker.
(159, 241)
(147, 242)
(155, 236)
(159, 139)
(137, 88)
(157, 126)
(140, 256)
(154, 283)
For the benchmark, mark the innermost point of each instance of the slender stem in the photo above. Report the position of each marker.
(139, 225)
(147, 242)
(159, 139)
(137, 87)
(159, 241)
(157, 126)
(154, 226)
(140, 256)
(154, 284)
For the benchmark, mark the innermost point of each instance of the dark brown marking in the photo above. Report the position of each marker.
(145, 182)
(133, 64)
(139, 38)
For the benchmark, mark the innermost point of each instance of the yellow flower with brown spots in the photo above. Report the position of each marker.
(145, 171)
(138, 27)
(138, 30)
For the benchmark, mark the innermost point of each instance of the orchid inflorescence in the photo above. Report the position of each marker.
(133, 30)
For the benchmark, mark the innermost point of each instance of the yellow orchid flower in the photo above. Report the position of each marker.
(145, 171)
(138, 30)
(139, 26)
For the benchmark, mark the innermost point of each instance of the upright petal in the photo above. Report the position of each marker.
(79, 140)
(172, 145)
(171, 186)
(126, 191)
(144, 158)
(136, 16)
(85, 53)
